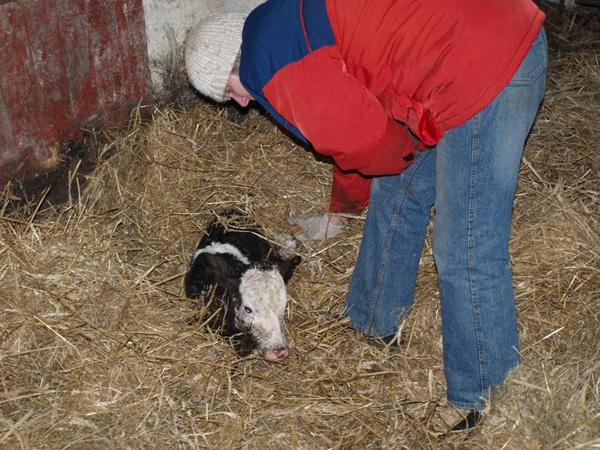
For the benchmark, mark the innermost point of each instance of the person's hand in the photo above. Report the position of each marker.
(317, 228)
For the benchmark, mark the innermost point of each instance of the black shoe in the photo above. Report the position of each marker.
(471, 420)
(391, 339)
(385, 341)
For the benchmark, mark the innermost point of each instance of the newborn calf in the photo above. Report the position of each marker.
(241, 278)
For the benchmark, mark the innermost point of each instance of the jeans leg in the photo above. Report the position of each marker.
(383, 282)
(477, 172)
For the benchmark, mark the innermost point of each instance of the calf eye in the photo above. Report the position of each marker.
(248, 310)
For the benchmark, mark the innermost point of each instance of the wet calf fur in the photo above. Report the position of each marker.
(240, 278)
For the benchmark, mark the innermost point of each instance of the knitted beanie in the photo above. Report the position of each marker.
(210, 52)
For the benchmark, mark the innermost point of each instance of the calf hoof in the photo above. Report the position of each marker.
(243, 345)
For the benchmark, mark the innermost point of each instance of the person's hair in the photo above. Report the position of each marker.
(236, 64)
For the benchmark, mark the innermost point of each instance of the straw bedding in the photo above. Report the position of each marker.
(98, 351)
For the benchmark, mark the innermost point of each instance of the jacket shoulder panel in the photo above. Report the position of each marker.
(278, 33)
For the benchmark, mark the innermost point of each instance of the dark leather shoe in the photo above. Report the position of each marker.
(391, 339)
(470, 421)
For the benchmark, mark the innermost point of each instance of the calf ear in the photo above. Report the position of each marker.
(226, 269)
(287, 266)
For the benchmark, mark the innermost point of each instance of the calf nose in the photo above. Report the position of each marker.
(276, 355)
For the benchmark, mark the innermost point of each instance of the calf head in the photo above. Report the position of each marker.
(254, 301)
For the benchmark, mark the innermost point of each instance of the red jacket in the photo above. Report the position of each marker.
(359, 78)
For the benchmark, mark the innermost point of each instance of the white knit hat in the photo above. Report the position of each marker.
(211, 49)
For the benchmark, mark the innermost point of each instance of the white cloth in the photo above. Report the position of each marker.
(316, 228)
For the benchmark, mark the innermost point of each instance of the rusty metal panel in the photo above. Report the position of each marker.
(66, 65)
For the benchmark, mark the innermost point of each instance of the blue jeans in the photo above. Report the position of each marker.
(471, 177)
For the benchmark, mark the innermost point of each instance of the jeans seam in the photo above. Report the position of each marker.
(529, 80)
(390, 237)
(385, 258)
(471, 255)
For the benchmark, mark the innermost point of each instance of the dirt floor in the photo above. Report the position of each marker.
(97, 350)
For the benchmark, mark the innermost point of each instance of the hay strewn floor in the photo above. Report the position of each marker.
(96, 347)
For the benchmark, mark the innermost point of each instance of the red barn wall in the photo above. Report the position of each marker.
(66, 65)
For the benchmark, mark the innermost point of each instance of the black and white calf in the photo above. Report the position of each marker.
(241, 279)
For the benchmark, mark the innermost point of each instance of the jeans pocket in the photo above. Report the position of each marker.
(534, 63)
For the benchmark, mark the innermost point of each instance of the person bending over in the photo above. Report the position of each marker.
(418, 103)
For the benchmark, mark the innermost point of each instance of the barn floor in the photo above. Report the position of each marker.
(97, 349)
